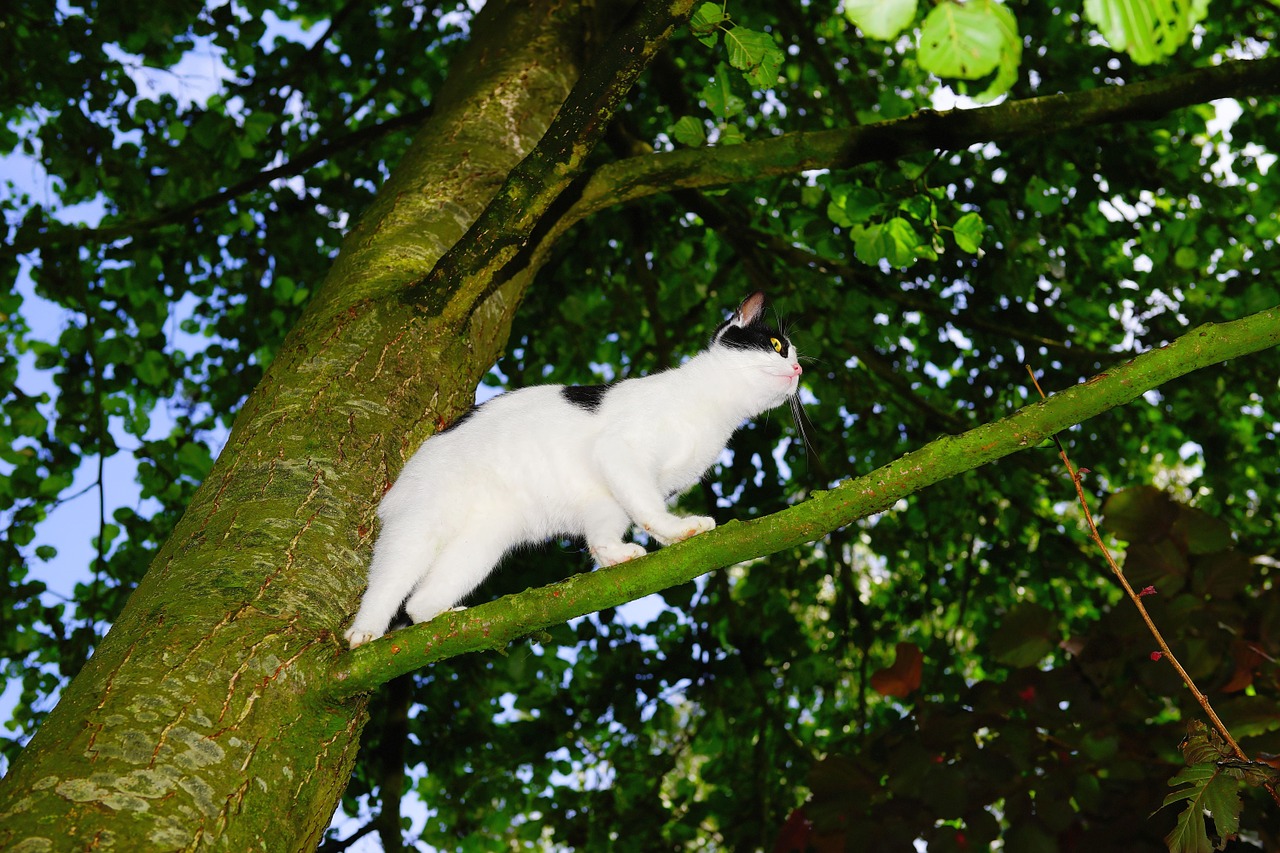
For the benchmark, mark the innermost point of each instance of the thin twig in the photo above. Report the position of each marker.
(1136, 598)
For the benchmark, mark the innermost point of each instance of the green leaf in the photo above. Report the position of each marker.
(730, 134)
(719, 96)
(755, 54)
(969, 231)
(194, 460)
(152, 369)
(689, 131)
(894, 241)
(52, 485)
(880, 19)
(921, 207)
(1185, 258)
(1010, 55)
(1209, 790)
(1203, 745)
(27, 420)
(1148, 30)
(853, 205)
(107, 536)
(706, 21)
(1042, 196)
(960, 40)
(971, 40)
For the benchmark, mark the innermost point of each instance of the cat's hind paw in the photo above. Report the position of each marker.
(609, 555)
(678, 529)
(359, 638)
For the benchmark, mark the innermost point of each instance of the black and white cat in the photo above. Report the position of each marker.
(549, 460)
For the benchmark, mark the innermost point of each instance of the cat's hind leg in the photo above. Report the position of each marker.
(400, 559)
(605, 524)
(462, 565)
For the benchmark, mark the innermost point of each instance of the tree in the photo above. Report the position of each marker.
(519, 195)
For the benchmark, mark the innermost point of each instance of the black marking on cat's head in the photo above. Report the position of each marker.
(586, 397)
(747, 330)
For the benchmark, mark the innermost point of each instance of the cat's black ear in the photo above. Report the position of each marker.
(750, 310)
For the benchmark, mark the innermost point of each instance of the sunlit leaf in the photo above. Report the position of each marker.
(961, 40)
(755, 54)
(969, 231)
(881, 20)
(706, 22)
(1148, 30)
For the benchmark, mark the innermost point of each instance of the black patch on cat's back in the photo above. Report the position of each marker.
(585, 397)
(461, 419)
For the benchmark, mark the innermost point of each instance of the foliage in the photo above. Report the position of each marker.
(778, 699)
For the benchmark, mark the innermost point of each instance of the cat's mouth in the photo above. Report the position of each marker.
(789, 376)
(792, 374)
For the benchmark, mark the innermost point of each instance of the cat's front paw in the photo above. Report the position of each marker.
(609, 555)
(678, 529)
(356, 637)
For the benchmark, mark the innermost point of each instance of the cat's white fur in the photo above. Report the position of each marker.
(529, 465)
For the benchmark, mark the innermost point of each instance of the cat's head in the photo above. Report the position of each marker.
(760, 359)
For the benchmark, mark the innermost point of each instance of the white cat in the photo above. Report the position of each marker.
(551, 460)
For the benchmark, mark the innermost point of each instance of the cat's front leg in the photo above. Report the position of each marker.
(669, 528)
(631, 478)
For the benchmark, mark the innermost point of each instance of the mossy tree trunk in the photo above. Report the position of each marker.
(221, 712)
(200, 721)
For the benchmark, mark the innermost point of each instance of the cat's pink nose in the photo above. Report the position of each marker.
(797, 369)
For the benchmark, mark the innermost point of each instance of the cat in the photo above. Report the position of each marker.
(586, 461)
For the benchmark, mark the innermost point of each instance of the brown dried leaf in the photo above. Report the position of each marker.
(904, 676)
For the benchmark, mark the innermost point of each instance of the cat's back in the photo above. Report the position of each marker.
(531, 441)
(516, 428)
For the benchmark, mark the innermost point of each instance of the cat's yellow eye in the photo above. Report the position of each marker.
(777, 345)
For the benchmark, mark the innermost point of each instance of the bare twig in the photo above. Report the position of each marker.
(1136, 598)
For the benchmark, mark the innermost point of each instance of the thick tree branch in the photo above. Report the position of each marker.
(494, 624)
(639, 177)
(491, 251)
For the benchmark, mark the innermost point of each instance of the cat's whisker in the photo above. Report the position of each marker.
(798, 412)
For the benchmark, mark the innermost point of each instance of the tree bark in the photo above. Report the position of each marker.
(201, 720)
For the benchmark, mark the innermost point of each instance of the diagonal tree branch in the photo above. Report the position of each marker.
(634, 178)
(494, 624)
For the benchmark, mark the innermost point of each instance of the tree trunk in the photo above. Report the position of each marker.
(199, 723)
